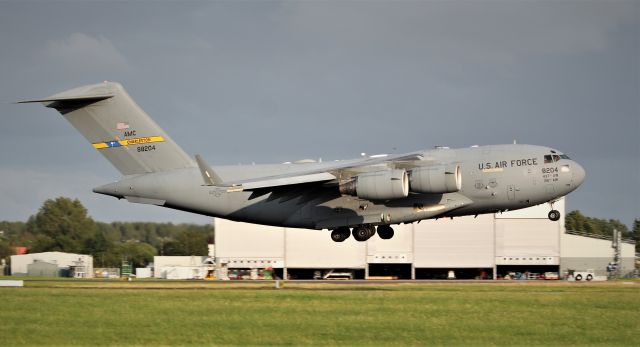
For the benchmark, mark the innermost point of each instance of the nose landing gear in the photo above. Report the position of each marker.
(553, 215)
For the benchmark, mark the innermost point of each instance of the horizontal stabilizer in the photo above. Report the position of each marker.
(94, 98)
(76, 98)
(65, 105)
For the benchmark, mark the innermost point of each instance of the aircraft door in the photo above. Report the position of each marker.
(511, 192)
(532, 176)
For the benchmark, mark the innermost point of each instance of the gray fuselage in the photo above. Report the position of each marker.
(494, 178)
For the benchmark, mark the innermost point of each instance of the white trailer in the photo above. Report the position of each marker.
(584, 275)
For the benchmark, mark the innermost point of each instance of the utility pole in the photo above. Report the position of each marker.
(614, 267)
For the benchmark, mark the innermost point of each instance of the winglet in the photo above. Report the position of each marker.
(208, 175)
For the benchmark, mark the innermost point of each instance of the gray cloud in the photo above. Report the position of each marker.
(82, 52)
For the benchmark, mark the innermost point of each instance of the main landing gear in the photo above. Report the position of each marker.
(553, 215)
(362, 232)
(385, 232)
(340, 234)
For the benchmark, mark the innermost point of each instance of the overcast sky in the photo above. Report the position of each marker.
(242, 82)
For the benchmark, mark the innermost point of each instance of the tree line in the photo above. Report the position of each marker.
(576, 221)
(64, 225)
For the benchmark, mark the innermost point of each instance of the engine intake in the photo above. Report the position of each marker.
(436, 179)
(379, 185)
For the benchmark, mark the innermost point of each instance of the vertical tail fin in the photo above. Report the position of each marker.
(118, 128)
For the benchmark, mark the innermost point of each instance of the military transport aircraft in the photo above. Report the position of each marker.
(349, 197)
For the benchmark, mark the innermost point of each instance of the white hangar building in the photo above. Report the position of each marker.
(486, 246)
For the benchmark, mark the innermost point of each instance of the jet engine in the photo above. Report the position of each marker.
(435, 179)
(379, 185)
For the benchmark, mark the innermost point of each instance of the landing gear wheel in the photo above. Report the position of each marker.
(554, 215)
(371, 230)
(362, 233)
(340, 234)
(385, 232)
(578, 277)
(589, 277)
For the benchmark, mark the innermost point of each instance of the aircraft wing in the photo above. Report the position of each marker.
(278, 181)
(325, 173)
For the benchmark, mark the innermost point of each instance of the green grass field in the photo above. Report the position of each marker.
(215, 313)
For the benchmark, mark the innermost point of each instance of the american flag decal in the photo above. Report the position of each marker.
(121, 126)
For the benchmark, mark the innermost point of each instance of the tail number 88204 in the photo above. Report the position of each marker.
(146, 148)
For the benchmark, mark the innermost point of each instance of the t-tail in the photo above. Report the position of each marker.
(118, 128)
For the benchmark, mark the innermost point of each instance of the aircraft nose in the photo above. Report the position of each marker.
(578, 174)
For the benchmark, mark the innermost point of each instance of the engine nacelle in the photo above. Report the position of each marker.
(379, 185)
(436, 179)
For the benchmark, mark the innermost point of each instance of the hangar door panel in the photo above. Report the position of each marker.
(532, 237)
(398, 249)
(464, 242)
(245, 240)
(313, 249)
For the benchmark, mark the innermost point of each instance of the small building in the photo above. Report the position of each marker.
(68, 264)
(182, 267)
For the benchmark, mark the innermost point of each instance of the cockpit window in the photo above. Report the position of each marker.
(551, 158)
